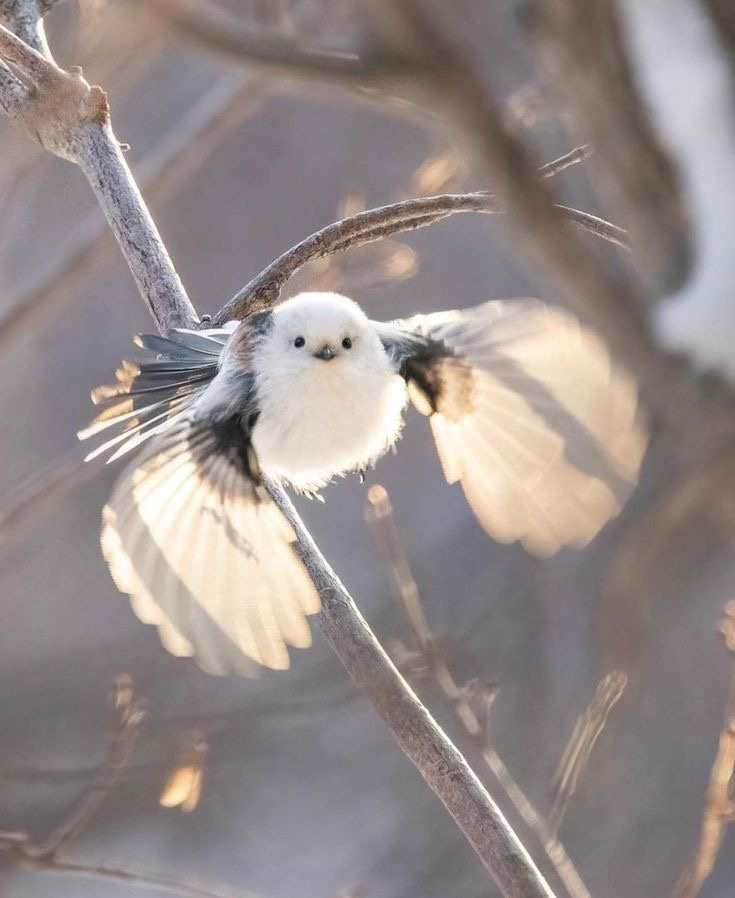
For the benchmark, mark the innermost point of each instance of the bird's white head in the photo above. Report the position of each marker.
(320, 331)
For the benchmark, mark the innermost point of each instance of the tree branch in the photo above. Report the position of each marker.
(228, 35)
(374, 224)
(25, 18)
(128, 715)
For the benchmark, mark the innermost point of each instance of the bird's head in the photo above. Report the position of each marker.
(322, 330)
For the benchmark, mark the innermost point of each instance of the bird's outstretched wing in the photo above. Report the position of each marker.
(189, 533)
(529, 413)
(149, 394)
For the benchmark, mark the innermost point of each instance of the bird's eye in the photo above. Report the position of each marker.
(299, 342)
(347, 343)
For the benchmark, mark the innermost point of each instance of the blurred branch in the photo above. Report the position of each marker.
(128, 715)
(719, 809)
(586, 732)
(224, 33)
(375, 224)
(611, 304)
(701, 494)
(161, 174)
(583, 52)
(175, 885)
(379, 514)
(723, 16)
(52, 484)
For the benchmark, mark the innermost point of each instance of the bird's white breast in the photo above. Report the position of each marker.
(327, 418)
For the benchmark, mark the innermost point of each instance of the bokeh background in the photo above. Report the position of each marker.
(304, 792)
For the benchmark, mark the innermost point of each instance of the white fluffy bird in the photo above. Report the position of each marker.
(525, 407)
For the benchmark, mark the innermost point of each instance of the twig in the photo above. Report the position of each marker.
(175, 885)
(719, 809)
(128, 716)
(583, 52)
(586, 732)
(379, 515)
(374, 224)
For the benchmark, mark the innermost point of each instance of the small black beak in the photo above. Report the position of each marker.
(325, 353)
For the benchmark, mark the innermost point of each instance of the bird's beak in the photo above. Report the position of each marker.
(325, 353)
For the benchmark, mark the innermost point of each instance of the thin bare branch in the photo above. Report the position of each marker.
(375, 224)
(586, 732)
(226, 34)
(175, 885)
(128, 715)
(437, 759)
(719, 809)
(99, 156)
(379, 515)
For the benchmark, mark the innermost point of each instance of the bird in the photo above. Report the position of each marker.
(528, 412)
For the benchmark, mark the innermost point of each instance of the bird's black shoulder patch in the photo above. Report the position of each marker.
(232, 439)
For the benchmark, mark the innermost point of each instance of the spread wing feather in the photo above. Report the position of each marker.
(543, 432)
(188, 533)
(206, 556)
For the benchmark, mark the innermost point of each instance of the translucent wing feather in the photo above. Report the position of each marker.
(205, 555)
(531, 417)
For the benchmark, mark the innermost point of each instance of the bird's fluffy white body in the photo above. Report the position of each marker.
(324, 417)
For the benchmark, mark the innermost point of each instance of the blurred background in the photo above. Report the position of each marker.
(298, 789)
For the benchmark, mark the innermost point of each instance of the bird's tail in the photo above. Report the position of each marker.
(151, 393)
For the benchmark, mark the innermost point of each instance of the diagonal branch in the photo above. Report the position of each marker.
(374, 224)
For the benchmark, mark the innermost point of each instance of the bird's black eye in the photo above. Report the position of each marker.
(299, 342)
(347, 343)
